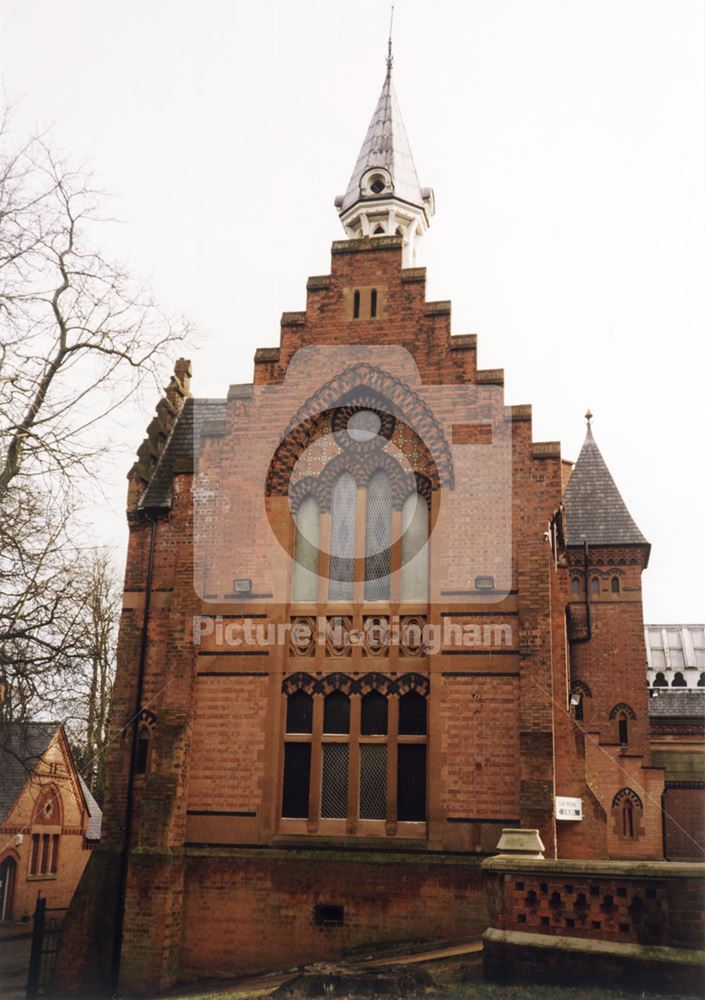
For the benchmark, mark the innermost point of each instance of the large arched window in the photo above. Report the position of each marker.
(308, 539)
(342, 538)
(378, 537)
(414, 549)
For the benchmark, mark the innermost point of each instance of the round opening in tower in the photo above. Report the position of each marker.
(363, 425)
(378, 185)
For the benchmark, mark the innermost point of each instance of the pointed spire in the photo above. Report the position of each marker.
(594, 509)
(384, 196)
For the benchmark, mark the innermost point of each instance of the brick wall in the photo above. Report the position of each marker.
(626, 923)
(253, 910)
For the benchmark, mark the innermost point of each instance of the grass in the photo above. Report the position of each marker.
(485, 991)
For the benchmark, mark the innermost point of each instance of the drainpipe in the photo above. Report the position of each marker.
(588, 609)
(127, 835)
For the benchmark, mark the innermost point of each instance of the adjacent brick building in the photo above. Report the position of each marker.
(368, 622)
(49, 821)
(676, 677)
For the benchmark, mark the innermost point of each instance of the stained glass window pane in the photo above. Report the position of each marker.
(414, 549)
(342, 540)
(378, 537)
(308, 528)
(373, 781)
(334, 786)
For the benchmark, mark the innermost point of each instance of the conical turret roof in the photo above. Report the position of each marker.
(594, 509)
(386, 145)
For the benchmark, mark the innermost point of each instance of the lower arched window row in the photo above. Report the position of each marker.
(355, 757)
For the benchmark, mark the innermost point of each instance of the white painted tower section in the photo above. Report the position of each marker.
(384, 197)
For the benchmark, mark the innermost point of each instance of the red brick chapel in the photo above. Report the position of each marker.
(368, 624)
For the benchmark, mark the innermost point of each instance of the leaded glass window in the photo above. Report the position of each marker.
(308, 538)
(334, 782)
(378, 537)
(414, 549)
(342, 541)
(373, 781)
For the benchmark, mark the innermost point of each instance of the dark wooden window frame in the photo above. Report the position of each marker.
(317, 739)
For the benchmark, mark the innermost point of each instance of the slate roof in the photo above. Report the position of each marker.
(178, 454)
(594, 509)
(95, 815)
(674, 703)
(22, 745)
(386, 145)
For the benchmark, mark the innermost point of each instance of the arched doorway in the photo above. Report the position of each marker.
(8, 870)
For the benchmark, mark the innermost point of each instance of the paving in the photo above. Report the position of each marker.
(15, 942)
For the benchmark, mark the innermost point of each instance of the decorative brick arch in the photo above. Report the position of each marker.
(414, 682)
(626, 709)
(402, 483)
(373, 681)
(336, 682)
(627, 793)
(360, 386)
(580, 687)
(299, 682)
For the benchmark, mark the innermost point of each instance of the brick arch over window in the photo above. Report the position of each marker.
(353, 386)
(580, 687)
(373, 681)
(299, 682)
(362, 470)
(627, 793)
(622, 708)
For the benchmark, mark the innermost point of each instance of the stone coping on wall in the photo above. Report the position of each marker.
(348, 855)
(596, 869)
(590, 947)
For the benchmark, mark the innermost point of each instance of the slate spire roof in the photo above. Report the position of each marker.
(386, 145)
(594, 509)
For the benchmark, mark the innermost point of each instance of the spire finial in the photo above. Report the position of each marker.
(588, 417)
(390, 57)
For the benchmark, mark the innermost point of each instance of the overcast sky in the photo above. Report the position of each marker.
(564, 141)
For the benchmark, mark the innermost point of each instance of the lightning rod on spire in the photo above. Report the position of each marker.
(390, 57)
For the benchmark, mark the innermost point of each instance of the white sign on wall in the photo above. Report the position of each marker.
(567, 808)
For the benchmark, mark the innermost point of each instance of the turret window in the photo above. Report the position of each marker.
(627, 811)
(594, 585)
(356, 305)
(623, 725)
(373, 303)
(614, 585)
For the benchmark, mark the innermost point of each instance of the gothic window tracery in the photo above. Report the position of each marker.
(377, 499)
